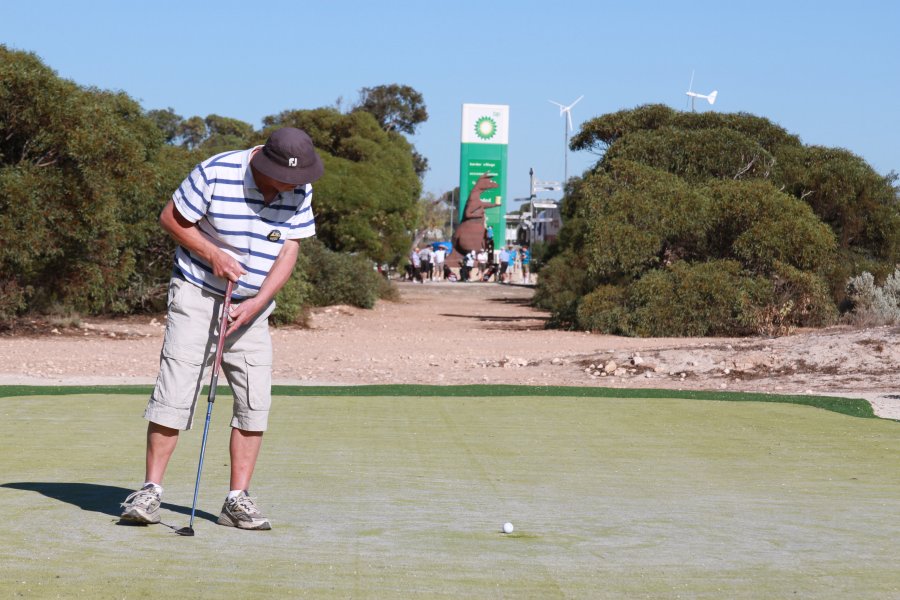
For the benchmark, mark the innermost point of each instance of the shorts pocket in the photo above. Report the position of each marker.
(259, 380)
(179, 375)
(176, 287)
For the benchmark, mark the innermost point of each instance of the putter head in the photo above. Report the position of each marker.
(186, 531)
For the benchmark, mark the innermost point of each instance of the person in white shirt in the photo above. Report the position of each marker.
(425, 255)
(481, 257)
(415, 264)
(438, 258)
(468, 265)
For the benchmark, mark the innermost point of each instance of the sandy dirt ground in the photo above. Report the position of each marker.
(462, 333)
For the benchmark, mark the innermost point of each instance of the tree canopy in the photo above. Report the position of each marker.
(398, 108)
(84, 174)
(78, 169)
(366, 200)
(728, 210)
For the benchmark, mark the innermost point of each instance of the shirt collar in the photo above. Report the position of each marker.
(249, 182)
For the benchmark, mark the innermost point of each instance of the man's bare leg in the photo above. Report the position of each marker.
(245, 447)
(240, 510)
(143, 505)
(161, 442)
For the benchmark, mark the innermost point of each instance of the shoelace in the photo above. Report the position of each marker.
(141, 498)
(245, 504)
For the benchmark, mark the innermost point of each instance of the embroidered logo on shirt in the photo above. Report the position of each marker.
(292, 162)
(274, 235)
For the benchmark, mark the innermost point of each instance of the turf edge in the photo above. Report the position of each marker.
(855, 407)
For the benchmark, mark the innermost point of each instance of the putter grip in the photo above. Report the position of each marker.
(220, 346)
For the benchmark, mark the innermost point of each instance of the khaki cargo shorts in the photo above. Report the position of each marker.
(189, 348)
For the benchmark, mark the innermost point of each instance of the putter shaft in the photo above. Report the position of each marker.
(211, 398)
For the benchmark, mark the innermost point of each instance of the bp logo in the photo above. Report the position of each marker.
(485, 128)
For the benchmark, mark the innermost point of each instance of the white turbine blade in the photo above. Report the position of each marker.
(556, 103)
(690, 92)
(569, 117)
(712, 97)
(577, 101)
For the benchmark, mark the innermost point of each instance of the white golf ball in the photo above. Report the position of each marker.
(508, 528)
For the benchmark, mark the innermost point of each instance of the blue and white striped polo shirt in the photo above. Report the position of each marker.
(221, 196)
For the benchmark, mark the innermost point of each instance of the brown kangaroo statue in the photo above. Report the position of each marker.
(470, 233)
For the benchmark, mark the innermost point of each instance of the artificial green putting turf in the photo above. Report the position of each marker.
(849, 406)
(403, 496)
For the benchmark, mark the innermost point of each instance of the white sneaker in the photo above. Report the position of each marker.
(142, 506)
(242, 512)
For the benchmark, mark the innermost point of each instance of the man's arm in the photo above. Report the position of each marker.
(282, 268)
(186, 234)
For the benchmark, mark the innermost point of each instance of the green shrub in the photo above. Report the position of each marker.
(768, 135)
(714, 224)
(809, 294)
(293, 300)
(563, 282)
(635, 218)
(601, 132)
(758, 225)
(603, 311)
(386, 290)
(722, 298)
(796, 299)
(75, 165)
(324, 278)
(148, 284)
(540, 253)
(12, 299)
(695, 155)
(846, 193)
(84, 174)
(712, 298)
(338, 278)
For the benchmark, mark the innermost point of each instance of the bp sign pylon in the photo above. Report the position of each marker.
(484, 139)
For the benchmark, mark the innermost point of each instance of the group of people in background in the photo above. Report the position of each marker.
(427, 263)
(486, 264)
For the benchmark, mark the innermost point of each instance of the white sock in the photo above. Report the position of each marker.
(159, 489)
(234, 493)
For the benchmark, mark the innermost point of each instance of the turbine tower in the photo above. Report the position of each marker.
(567, 126)
(711, 97)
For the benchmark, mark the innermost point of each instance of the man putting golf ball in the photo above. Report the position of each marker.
(239, 216)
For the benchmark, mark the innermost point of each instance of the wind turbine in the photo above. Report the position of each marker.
(568, 112)
(711, 97)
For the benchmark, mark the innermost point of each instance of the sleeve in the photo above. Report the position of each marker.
(193, 196)
(303, 221)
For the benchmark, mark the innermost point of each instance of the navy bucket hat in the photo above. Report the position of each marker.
(289, 157)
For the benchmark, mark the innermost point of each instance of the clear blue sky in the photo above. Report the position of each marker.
(828, 71)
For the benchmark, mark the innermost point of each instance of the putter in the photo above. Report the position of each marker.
(223, 324)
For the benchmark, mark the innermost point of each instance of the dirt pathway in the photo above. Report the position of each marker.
(454, 333)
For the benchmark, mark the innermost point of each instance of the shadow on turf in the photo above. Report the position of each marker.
(103, 499)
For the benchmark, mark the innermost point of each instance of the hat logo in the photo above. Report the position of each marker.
(292, 162)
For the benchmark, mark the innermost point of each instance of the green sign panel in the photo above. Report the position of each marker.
(485, 136)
